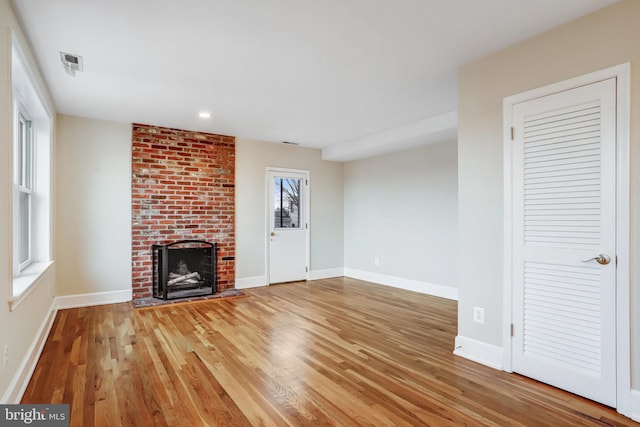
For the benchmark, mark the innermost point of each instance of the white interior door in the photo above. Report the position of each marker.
(564, 228)
(288, 226)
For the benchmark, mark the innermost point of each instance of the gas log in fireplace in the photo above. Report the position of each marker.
(184, 269)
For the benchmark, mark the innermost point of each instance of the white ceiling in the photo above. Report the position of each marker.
(350, 76)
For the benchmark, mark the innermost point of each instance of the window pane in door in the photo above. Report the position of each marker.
(287, 212)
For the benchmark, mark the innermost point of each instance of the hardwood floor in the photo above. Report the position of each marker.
(330, 352)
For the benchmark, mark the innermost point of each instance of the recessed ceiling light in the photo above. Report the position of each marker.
(204, 115)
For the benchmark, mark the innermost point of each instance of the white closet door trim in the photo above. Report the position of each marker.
(623, 344)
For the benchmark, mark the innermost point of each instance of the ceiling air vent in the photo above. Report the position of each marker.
(72, 63)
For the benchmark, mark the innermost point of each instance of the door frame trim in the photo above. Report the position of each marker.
(306, 215)
(622, 74)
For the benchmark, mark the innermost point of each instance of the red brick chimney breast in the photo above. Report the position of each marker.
(183, 188)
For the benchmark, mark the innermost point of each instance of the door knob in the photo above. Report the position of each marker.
(602, 259)
(273, 233)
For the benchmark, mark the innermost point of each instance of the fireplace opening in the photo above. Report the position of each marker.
(184, 269)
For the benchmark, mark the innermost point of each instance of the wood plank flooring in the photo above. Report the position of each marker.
(330, 352)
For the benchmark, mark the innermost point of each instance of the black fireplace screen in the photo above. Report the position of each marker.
(185, 269)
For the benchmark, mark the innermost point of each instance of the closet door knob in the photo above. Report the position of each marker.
(602, 259)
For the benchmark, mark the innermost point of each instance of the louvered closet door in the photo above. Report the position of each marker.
(564, 213)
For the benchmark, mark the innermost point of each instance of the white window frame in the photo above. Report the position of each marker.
(29, 101)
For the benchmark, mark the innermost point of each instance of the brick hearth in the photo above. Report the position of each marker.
(182, 188)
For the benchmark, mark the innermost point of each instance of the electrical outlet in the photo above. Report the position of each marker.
(376, 261)
(6, 355)
(478, 314)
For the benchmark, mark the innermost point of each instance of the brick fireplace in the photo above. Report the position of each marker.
(182, 189)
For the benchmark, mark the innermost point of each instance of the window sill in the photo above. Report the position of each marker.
(26, 281)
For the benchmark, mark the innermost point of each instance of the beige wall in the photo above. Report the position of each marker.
(606, 38)
(402, 208)
(93, 224)
(326, 198)
(93, 189)
(19, 327)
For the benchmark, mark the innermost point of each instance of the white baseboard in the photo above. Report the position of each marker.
(408, 284)
(97, 298)
(478, 351)
(258, 281)
(635, 406)
(326, 274)
(20, 380)
(251, 282)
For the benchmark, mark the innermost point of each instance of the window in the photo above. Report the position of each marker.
(24, 171)
(31, 173)
(287, 202)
